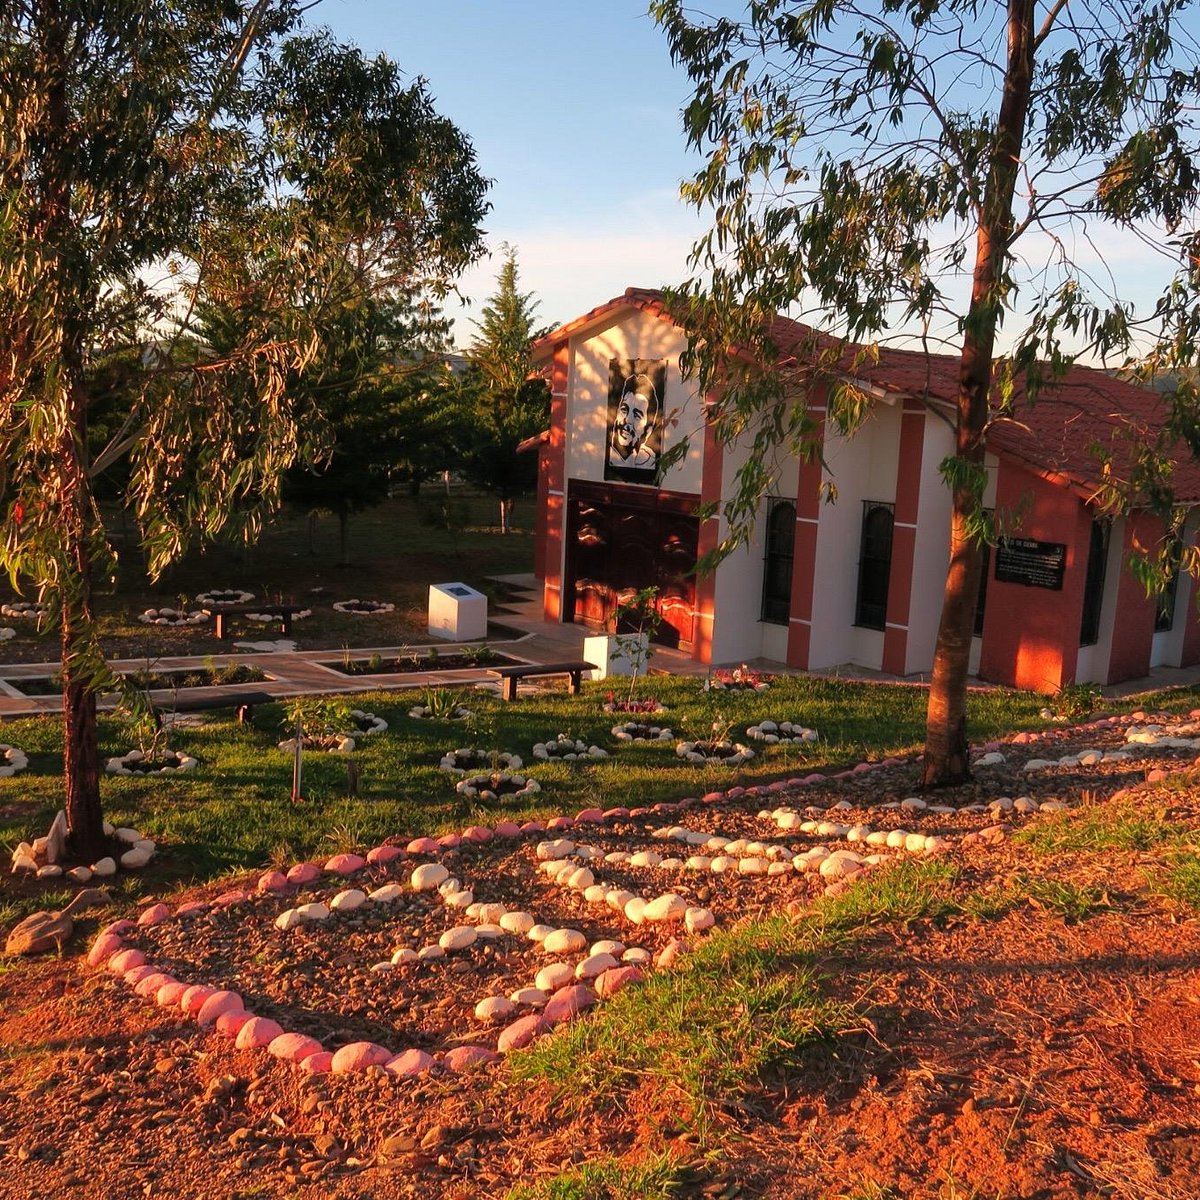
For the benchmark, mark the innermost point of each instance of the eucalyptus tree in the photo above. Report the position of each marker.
(945, 166)
(152, 152)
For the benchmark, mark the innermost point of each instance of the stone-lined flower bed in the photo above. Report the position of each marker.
(363, 608)
(367, 724)
(633, 731)
(264, 618)
(25, 610)
(221, 596)
(567, 749)
(12, 760)
(422, 712)
(718, 753)
(471, 758)
(136, 762)
(740, 679)
(782, 733)
(173, 616)
(41, 856)
(498, 785)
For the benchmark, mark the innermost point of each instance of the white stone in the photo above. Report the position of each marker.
(697, 919)
(49, 871)
(489, 931)
(449, 885)
(877, 837)
(580, 879)
(596, 894)
(134, 859)
(490, 914)
(668, 907)
(386, 894)
(458, 899)
(564, 941)
(559, 848)
(895, 839)
(594, 965)
(288, 919)
(517, 922)
(636, 955)
(914, 843)
(553, 976)
(129, 836)
(315, 911)
(913, 804)
(428, 876)
(723, 863)
(494, 1008)
(539, 933)
(534, 997)
(635, 910)
(645, 858)
(348, 900)
(105, 867)
(404, 955)
(716, 843)
(607, 946)
(458, 938)
(80, 874)
(841, 864)
(618, 898)
(428, 952)
(1023, 804)
(617, 857)
(780, 868)
(698, 862)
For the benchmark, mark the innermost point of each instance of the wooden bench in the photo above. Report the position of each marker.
(511, 676)
(242, 702)
(282, 613)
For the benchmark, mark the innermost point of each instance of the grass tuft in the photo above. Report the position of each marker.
(911, 890)
(609, 1179)
(1099, 826)
(1181, 880)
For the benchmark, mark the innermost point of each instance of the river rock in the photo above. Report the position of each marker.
(215, 1005)
(669, 907)
(468, 1058)
(458, 938)
(429, 876)
(521, 1032)
(610, 982)
(358, 1056)
(409, 1062)
(348, 900)
(567, 1003)
(492, 1009)
(294, 1047)
(564, 941)
(553, 976)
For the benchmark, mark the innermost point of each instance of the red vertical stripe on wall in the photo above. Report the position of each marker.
(904, 537)
(709, 535)
(554, 461)
(804, 549)
(1133, 627)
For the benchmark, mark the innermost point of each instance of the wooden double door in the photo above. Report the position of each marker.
(622, 539)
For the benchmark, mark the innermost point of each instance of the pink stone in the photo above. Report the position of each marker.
(409, 1062)
(689, 802)
(358, 1056)
(345, 864)
(1157, 775)
(317, 1064)
(615, 978)
(103, 948)
(169, 995)
(844, 775)
(507, 829)
(534, 827)
(449, 841)
(225, 899)
(294, 1047)
(640, 811)
(382, 855)
(156, 914)
(863, 768)
(256, 1033)
(477, 833)
(422, 845)
(272, 881)
(124, 925)
(125, 960)
(734, 792)
(669, 953)
(304, 873)
(780, 785)
(520, 1033)
(611, 814)
(590, 816)
(192, 909)
(560, 823)
(815, 777)
(135, 975)
(568, 1002)
(229, 1024)
(192, 999)
(468, 1058)
(215, 1005)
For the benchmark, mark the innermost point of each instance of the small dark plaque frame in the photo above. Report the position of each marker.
(1030, 563)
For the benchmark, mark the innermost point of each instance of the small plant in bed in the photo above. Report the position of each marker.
(718, 749)
(441, 704)
(633, 707)
(152, 756)
(320, 722)
(740, 679)
(782, 733)
(470, 759)
(431, 660)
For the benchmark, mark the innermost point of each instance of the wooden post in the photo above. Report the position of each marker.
(297, 755)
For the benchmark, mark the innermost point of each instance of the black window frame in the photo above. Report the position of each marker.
(778, 562)
(1099, 544)
(1166, 601)
(874, 566)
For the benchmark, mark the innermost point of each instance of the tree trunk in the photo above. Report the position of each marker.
(946, 759)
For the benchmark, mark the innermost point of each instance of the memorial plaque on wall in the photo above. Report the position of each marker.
(1030, 563)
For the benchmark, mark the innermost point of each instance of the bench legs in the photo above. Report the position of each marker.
(576, 682)
(220, 625)
(510, 687)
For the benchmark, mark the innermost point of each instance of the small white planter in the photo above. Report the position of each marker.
(614, 654)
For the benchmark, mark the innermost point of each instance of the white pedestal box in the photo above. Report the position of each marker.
(612, 654)
(456, 612)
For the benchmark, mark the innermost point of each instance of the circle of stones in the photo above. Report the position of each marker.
(367, 724)
(468, 758)
(723, 753)
(171, 763)
(173, 616)
(27, 610)
(422, 712)
(219, 596)
(635, 731)
(488, 786)
(334, 743)
(363, 608)
(568, 749)
(14, 760)
(782, 733)
(140, 850)
(6, 632)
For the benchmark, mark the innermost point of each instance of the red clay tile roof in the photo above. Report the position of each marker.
(1052, 437)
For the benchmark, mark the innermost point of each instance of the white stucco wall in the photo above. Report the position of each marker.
(862, 468)
(633, 334)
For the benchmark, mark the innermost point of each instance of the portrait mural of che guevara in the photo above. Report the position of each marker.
(635, 415)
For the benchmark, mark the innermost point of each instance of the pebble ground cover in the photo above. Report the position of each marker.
(987, 991)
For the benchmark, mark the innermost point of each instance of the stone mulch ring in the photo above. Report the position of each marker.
(135, 762)
(367, 724)
(13, 760)
(140, 851)
(264, 618)
(221, 596)
(563, 748)
(27, 610)
(363, 608)
(468, 759)
(498, 785)
(722, 753)
(173, 616)
(422, 712)
(635, 731)
(782, 733)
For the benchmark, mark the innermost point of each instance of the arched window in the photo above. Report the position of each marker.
(1093, 587)
(777, 564)
(874, 564)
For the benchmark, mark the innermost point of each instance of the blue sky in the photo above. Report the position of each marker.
(574, 111)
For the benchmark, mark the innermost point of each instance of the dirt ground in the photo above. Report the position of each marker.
(1017, 1054)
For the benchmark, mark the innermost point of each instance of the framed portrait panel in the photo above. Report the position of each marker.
(633, 444)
